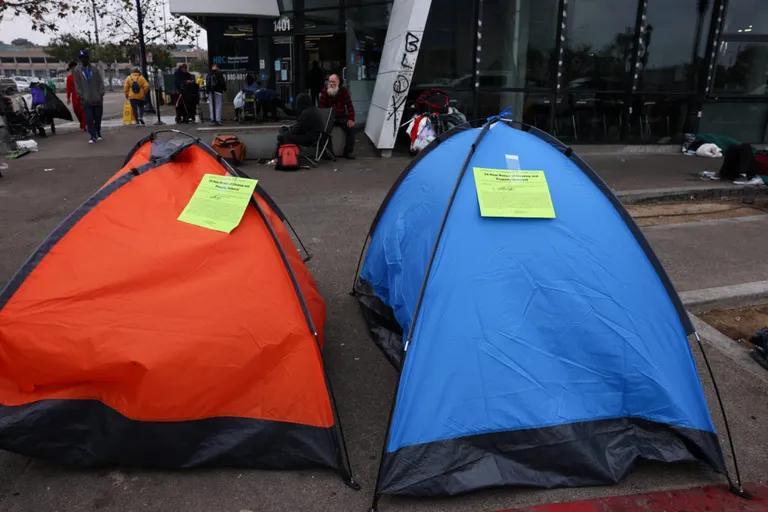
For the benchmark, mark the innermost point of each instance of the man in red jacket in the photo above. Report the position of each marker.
(337, 97)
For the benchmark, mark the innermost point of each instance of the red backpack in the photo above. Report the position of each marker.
(287, 157)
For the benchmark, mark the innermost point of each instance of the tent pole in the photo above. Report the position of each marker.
(343, 453)
(457, 184)
(738, 488)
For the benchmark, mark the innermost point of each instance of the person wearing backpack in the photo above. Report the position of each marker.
(136, 89)
(216, 84)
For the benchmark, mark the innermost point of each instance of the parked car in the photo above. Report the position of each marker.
(22, 83)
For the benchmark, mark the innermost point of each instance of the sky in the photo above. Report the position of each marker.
(12, 28)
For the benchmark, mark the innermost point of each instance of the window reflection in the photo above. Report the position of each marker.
(446, 55)
(666, 59)
(748, 17)
(742, 68)
(518, 42)
(599, 42)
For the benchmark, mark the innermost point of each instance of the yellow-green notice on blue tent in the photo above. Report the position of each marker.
(219, 202)
(505, 193)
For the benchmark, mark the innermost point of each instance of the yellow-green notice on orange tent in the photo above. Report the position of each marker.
(219, 202)
(505, 193)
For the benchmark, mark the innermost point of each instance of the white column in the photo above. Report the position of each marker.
(398, 61)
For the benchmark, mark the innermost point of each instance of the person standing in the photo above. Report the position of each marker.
(316, 81)
(181, 80)
(216, 85)
(136, 88)
(89, 86)
(337, 97)
(72, 97)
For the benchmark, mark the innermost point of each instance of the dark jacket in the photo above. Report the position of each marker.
(341, 103)
(216, 81)
(308, 123)
(89, 84)
(180, 78)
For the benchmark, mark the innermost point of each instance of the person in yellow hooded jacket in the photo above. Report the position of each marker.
(136, 89)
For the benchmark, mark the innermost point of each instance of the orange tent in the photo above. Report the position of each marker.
(130, 337)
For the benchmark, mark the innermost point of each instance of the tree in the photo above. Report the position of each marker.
(21, 41)
(199, 65)
(120, 23)
(66, 46)
(44, 14)
(161, 56)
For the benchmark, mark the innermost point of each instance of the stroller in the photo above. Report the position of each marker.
(26, 119)
(245, 106)
(433, 114)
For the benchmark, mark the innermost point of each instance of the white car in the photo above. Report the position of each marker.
(22, 83)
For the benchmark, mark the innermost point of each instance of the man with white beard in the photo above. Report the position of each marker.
(337, 97)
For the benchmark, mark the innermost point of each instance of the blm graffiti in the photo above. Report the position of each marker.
(403, 79)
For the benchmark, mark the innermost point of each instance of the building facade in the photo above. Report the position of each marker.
(609, 71)
(33, 61)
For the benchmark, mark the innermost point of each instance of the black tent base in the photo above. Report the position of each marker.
(599, 452)
(88, 433)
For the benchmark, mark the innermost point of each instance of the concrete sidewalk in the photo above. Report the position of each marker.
(331, 208)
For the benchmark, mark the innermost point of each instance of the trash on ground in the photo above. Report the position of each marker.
(709, 150)
(17, 153)
(29, 144)
(709, 175)
(49, 169)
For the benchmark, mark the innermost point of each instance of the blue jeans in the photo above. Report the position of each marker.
(138, 110)
(93, 119)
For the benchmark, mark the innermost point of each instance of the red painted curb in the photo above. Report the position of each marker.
(713, 498)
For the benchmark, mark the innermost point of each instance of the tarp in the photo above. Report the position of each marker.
(540, 352)
(130, 337)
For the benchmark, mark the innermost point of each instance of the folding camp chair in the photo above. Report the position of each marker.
(324, 146)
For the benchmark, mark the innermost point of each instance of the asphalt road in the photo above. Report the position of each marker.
(331, 208)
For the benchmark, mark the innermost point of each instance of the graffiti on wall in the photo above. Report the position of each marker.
(402, 82)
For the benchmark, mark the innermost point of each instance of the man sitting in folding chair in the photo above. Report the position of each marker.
(307, 129)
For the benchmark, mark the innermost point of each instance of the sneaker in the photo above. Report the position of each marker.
(141, 121)
(349, 156)
(757, 180)
(98, 137)
(91, 141)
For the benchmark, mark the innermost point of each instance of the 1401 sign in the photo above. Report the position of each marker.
(282, 24)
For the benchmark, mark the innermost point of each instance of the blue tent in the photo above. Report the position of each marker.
(533, 352)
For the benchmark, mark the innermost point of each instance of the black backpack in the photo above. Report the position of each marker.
(135, 87)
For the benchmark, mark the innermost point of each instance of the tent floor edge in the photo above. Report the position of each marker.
(595, 452)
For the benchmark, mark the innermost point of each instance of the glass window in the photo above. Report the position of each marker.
(746, 17)
(446, 56)
(599, 41)
(742, 68)
(327, 20)
(518, 43)
(38, 60)
(319, 4)
(8, 60)
(671, 33)
(742, 121)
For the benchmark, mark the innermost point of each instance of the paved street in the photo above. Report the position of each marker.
(331, 208)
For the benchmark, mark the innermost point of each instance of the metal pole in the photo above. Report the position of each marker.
(158, 80)
(143, 52)
(142, 46)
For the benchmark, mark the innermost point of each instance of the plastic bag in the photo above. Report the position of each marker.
(709, 150)
(239, 100)
(128, 113)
